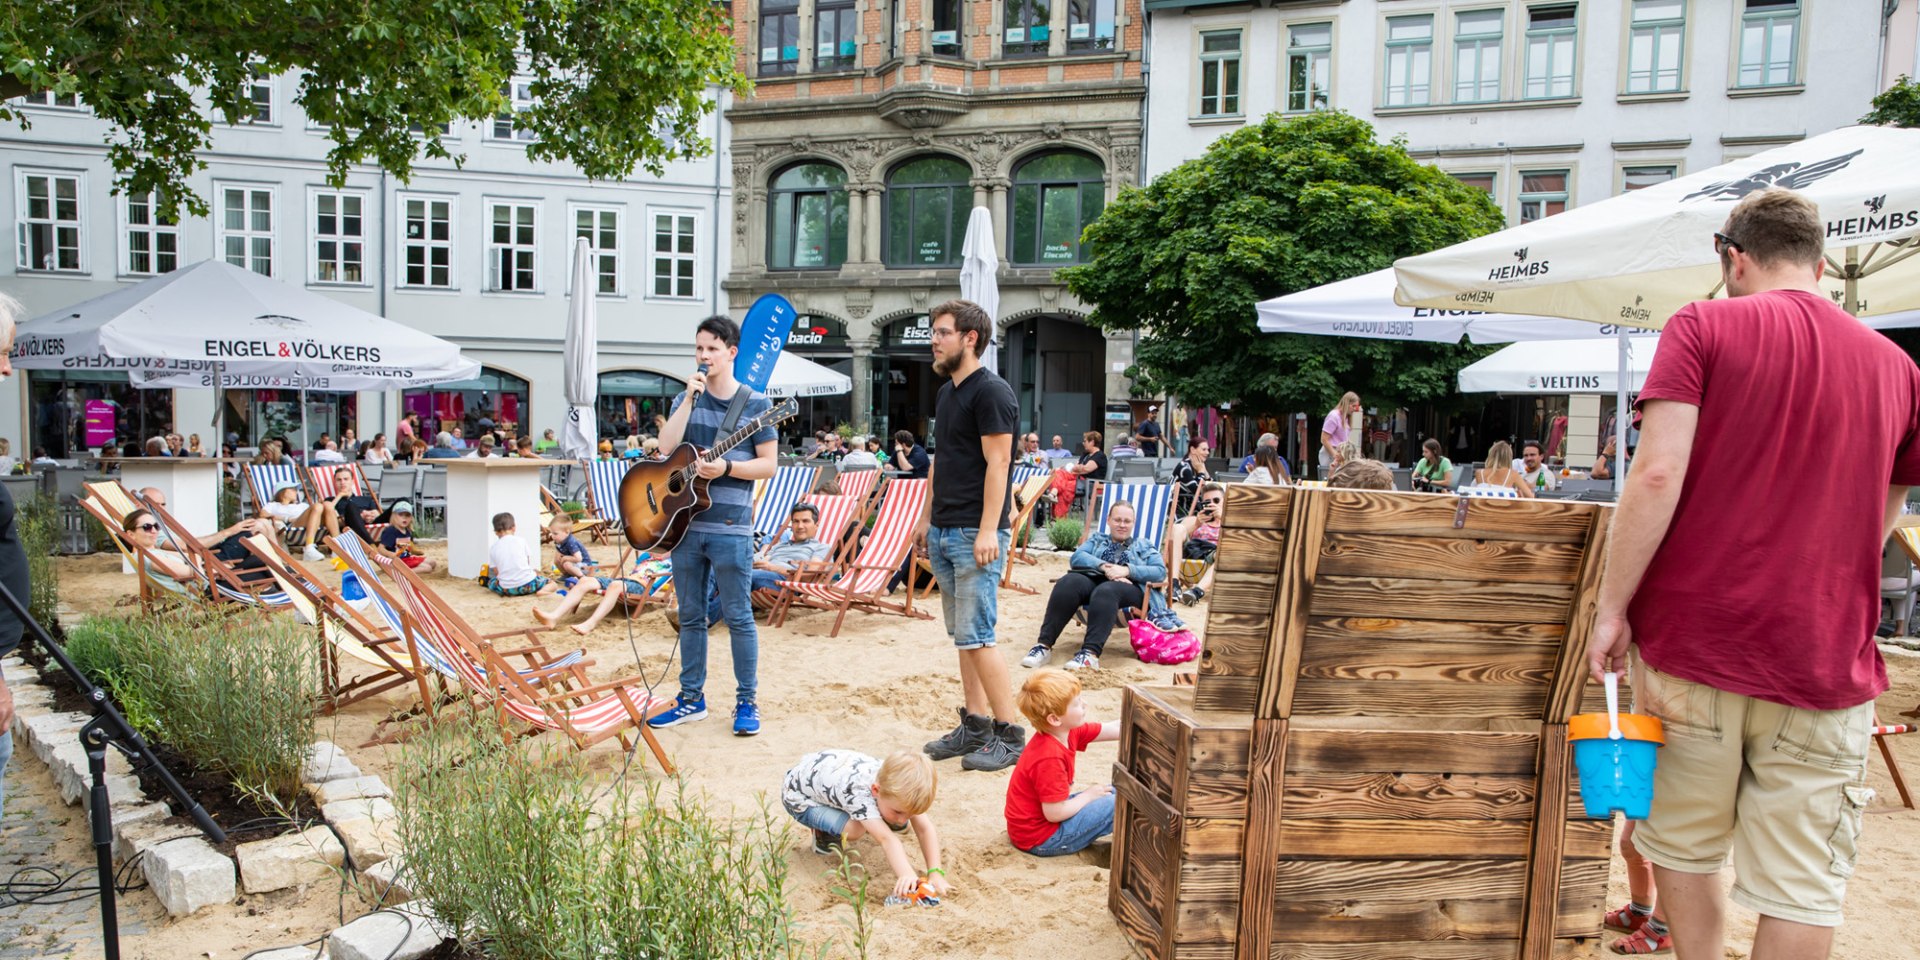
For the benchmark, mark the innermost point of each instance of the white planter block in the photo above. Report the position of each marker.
(327, 762)
(132, 838)
(290, 953)
(129, 814)
(400, 934)
(352, 788)
(389, 880)
(369, 840)
(49, 730)
(188, 875)
(347, 811)
(289, 861)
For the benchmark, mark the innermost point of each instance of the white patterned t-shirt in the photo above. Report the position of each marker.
(841, 779)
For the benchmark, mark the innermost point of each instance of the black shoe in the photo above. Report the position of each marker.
(825, 843)
(972, 734)
(1002, 749)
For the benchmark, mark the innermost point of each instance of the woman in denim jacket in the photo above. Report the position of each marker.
(1110, 573)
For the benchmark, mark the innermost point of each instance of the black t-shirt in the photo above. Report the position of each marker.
(13, 573)
(1099, 460)
(1148, 432)
(982, 405)
(915, 462)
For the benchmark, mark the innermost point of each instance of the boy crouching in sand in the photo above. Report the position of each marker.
(1044, 817)
(510, 569)
(842, 795)
(569, 554)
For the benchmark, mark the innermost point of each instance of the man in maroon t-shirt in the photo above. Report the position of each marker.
(1748, 580)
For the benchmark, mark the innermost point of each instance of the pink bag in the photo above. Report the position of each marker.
(1154, 645)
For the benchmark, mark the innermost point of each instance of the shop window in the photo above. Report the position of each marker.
(465, 407)
(928, 202)
(808, 218)
(1055, 196)
(74, 411)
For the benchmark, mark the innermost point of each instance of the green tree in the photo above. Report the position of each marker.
(617, 84)
(1896, 106)
(1275, 207)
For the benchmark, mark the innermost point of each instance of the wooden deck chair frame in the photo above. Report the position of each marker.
(136, 555)
(345, 631)
(863, 586)
(1025, 499)
(513, 694)
(218, 576)
(1909, 540)
(835, 510)
(113, 500)
(550, 507)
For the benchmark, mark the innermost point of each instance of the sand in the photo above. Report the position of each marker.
(888, 683)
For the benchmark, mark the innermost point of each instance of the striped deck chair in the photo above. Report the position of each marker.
(550, 507)
(262, 478)
(325, 489)
(1026, 496)
(603, 493)
(427, 652)
(219, 578)
(837, 514)
(114, 503)
(864, 584)
(772, 506)
(1153, 509)
(586, 715)
(860, 485)
(344, 632)
(1487, 491)
(152, 586)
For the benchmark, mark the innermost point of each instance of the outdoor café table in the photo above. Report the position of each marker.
(476, 490)
(190, 484)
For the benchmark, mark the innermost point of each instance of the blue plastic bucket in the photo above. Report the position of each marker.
(1616, 754)
(350, 588)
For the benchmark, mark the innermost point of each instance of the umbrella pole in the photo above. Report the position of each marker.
(304, 444)
(1620, 413)
(1852, 281)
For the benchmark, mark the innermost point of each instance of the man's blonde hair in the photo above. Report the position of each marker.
(1047, 693)
(907, 780)
(1362, 475)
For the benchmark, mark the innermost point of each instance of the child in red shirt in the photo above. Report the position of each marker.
(1044, 817)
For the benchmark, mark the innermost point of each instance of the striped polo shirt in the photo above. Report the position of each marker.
(731, 513)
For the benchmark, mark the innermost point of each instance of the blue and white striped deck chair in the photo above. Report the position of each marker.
(263, 478)
(1022, 474)
(1152, 508)
(603, 491)
(1488, 490)
(788, 486)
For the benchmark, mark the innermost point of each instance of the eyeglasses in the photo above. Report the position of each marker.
(148, 527)
(942, 333)
(1721, 242)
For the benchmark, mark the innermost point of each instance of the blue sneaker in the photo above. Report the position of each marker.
(746, 720)
(684, 711)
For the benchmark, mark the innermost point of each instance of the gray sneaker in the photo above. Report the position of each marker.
(1084, 660)
(1002, 749)
(1038, 656)
(972, 733)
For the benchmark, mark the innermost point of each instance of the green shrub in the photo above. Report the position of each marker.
(234, 694)
(526, 856)
(229, 505)
(37, 523)
(1064, 533)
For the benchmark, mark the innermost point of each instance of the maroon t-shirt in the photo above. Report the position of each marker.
(1768, 582)
(1044, 774)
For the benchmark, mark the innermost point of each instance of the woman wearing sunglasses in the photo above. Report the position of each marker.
(166, 568)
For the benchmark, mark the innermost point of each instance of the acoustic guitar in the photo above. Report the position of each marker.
(659, 498)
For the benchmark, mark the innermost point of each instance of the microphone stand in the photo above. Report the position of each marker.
(108, 727)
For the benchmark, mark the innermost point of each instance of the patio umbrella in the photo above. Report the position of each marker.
(579, 432)
(796, 376)
(1558, 366)
(340, 379)
(979, 280)
(1363, 306)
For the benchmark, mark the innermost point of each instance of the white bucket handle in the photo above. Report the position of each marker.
(1612, 681)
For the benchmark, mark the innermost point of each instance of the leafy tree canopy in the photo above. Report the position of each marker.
(1896, 106)
(617, 84)
(1275, 207)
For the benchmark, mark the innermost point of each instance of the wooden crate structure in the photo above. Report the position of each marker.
(1373, 763)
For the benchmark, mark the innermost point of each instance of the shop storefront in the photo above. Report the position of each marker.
(74, 411)
(256, 415)
(1056, 366)
(904, 384)
(628, 401)
(822, 340)
(464, 408)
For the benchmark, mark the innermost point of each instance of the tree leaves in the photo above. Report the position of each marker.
(1273, 208)
(619, 84)
(1896, 106)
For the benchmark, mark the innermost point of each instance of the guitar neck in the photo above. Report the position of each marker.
(761, 422)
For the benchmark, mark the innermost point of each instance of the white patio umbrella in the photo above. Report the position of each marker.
(979, 277)
(1363, 306)
(578, 433)
(339, 379)
(796, 376)
(1559, 366)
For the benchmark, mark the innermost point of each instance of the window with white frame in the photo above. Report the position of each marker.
(1656, 46)
(1409, 61)
(1552, 39)
(520, 99)
(260, 94)
(47, 98)
(1309, 66)
(50, 227)
(1220, 73)
(510, 246)
(426, 242)
(152, 238)
(1476, 55)
(339, 237)
(673, 254)
(1769, 43)
(246, 228)
(1642, 176)
(601, 228)
(1543, 193)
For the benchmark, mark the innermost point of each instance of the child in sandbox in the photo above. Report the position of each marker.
(510, 568)
(842, 795)
(1044, 816)
(569, 554)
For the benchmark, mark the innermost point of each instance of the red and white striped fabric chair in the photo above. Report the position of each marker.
(326, 489)
(858, 485)
(1881, 731)
(863, 584)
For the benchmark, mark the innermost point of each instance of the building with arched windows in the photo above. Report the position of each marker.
(874, 130)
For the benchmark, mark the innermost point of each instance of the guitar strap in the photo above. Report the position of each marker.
(735, 408)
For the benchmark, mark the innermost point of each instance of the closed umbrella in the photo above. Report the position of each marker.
(578, 432)
(979, 277)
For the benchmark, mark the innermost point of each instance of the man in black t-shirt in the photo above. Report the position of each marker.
(964, 531)
(1148, 432)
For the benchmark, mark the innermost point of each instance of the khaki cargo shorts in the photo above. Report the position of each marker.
(1782, 787)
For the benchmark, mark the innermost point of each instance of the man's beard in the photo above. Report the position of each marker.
(944, 366)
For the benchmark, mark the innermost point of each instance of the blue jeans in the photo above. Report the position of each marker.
(704, 562)
(823, 819)
(969, 593)
(1076, 833)
(6, 756)
(762, 580)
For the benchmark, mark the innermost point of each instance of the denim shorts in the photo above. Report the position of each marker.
(527, 589)
(824, 819)
(969, 593)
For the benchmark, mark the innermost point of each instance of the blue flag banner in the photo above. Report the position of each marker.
(762, 337)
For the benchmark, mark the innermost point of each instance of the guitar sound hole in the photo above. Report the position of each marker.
(675, 484)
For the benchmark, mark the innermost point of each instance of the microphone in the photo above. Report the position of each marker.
(693, 393)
